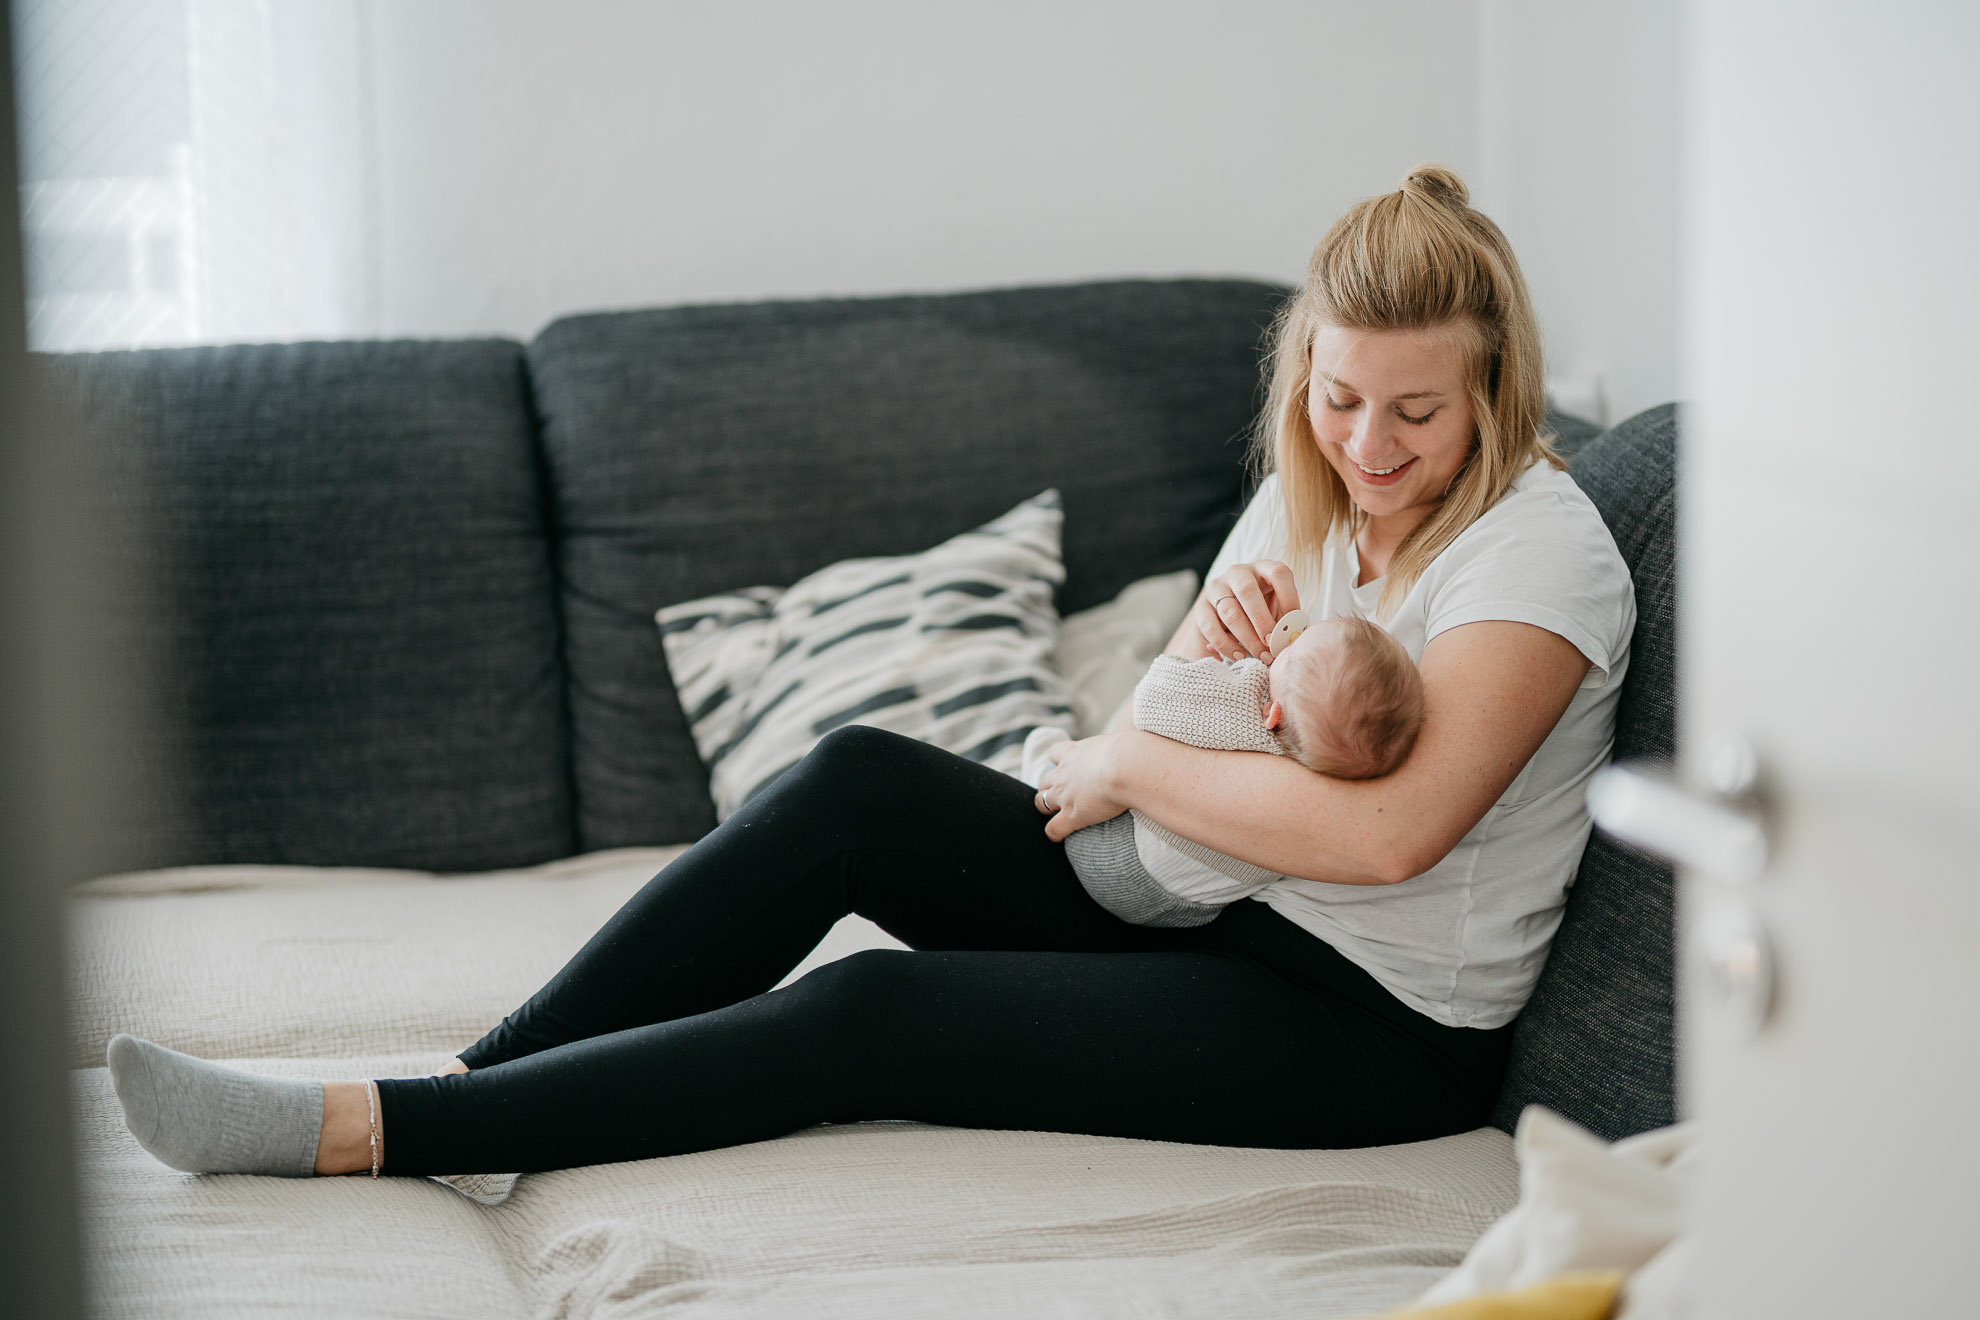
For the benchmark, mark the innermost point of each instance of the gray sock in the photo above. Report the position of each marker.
(204, 1118)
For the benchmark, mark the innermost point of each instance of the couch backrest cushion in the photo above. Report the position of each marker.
(349, 613)
(703, 449)
(1596, 1040)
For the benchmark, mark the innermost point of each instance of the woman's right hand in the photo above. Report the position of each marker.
(1235, 611)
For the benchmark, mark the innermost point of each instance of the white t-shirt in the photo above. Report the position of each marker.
(1463, 942)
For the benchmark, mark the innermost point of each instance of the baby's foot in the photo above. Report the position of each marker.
(205, 1118)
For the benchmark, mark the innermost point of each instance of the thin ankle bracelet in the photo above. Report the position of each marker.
(371, 1100)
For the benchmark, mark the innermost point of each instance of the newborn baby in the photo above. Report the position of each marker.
(1342, 698)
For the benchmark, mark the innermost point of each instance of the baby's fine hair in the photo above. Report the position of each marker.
(1360, 720)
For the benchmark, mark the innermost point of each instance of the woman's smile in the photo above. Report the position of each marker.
(1383, 476)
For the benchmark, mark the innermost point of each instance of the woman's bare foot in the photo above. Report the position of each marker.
(453, 1069)
(345, 1143)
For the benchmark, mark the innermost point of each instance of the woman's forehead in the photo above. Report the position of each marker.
(1397, 364)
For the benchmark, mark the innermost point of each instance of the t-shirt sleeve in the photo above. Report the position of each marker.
(1545, 560)
(1259, 533)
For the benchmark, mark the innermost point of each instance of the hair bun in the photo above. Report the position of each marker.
(1434, 183)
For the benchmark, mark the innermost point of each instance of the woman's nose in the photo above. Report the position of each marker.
(1367, 440)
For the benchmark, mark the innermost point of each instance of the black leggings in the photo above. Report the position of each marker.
(1022, 1005)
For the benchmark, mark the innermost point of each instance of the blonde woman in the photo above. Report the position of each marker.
(1363, 999)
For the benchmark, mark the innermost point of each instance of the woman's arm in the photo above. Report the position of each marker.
(1493, 691)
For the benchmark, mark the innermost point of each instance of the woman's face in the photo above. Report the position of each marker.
(1391, 414)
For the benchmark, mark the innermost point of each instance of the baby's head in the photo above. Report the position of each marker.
(1346, 700)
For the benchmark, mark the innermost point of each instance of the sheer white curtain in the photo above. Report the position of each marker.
(196, 171)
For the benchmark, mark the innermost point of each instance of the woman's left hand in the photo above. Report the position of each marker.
(1079, 790)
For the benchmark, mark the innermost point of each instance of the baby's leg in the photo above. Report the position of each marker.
(1108, 863)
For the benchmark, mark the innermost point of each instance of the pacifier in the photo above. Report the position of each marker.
(1286, 631)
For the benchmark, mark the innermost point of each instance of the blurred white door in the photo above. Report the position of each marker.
(1831, 474)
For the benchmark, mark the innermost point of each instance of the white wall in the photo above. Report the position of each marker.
(540, 159)
(202, 170)
(1579, 123)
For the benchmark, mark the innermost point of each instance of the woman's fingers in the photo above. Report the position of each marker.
(1231, 615)
(1284, 591)
(1074, 794)
(1045, 799)
(1253, 607)
(1238, 607)
(1221, 616)
(1203, 616)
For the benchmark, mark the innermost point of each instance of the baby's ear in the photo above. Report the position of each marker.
(1274, 717)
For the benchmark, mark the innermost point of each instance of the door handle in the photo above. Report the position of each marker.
(1722, 836)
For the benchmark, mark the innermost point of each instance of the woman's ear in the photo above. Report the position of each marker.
(1274, 716)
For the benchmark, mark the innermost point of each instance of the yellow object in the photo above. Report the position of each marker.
(1587, 1295)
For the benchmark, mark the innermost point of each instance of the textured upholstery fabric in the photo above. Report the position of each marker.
(1595, 1041)
(1571, 433)
(350, 974)
(348, 616)
(703, 449)
(859, 1221)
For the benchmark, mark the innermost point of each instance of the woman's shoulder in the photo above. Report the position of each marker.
(1541, 555)
(1544, 511)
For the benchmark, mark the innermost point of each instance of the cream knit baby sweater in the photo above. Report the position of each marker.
(1132, 866)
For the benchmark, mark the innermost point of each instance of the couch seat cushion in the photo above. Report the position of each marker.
(299, 962)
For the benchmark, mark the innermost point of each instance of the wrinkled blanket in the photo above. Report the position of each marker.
(387, 973)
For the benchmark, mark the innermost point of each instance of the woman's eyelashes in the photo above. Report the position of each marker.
(1335, 405)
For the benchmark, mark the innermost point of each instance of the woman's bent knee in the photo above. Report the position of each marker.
(860, 766)
(857, 749)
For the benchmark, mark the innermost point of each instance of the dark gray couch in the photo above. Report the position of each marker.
(402, 601)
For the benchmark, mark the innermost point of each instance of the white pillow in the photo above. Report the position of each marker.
(1586, 1205)
(950, 646)
(1104, 651)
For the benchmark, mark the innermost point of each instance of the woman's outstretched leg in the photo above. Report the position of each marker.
(938, 851)
(1026, 1006)
(941, 852)
(1202, 1045)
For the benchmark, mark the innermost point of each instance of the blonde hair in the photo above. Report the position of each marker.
(1363, 718)
(1418, 258)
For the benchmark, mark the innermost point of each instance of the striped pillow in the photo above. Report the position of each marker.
(949, 646)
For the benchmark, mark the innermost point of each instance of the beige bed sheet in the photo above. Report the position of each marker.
(356, 974)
